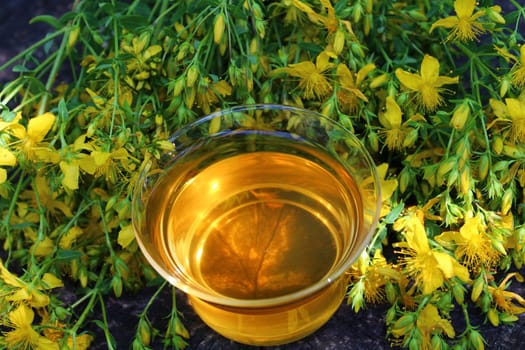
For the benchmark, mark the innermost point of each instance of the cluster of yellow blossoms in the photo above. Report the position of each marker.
(434, 90)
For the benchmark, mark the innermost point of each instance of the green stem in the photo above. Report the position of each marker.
(153, 298)
(21, 183)
(106, 232)
(54, 70)
(92, 295)
(32, 48)
(107, 333)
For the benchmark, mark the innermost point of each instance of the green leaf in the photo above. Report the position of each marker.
(48, 19)
(8, 116)
(21, 69)
(394, 213)
(68, 254)
(134, 22)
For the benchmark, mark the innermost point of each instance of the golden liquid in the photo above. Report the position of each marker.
(253, 229)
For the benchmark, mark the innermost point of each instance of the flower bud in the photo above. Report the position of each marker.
(438, 343)
(373, 141)
(494, 14)
(368, 23)
(414, 344)
(178, 86)
(506, 202)
(410, 138)
(404, 180)
(460, 116)
(493, 317)
(218, 28)
(497, 144)
(477, 288)
(142, 75)
(73, 37)
(476, 340)
(390, 316)
(181, 30)
(505, 86)
(380, 80)
(183, 50)
(369, 5)
(328, 108)
(144, 331)
(484, 302)
(391, 293)
(405, 324)
(445, 167)
(192, 74)
(339, 41)
(83, 276)
(508, 318)
(116, 285)
(418, 15)
(483, 168)
(357, 50)
(357, 12)
(458, 291)
(189, 97)
(464, 181)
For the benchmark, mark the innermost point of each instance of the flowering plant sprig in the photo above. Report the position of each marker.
(435, 90)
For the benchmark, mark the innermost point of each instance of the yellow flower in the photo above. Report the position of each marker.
(430, 323)
(31, 139)
(349, 94)
(7, 158)
(72, 159)
(46, 197)
(505, 54)
(473, 245)
(328, 20)
(141, 65)
(505, 300)
(107, 164)
(80, 342)
(426, 85)
(391, 119)
(337, 28)
(429, 268)
(19, 291)
(465, 26)
(209, 93)
(293, 14)
(374, 273)
(460, 116)
(388, 187)
(16, 290)
(22, 335)
(312, 79)
(32, 145)
(518, 71)
(513, 112)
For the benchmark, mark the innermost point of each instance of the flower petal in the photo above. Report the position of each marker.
(410, 80)
(71, 173)
(7, 157)
(516, 108)
(51, 281)
(38, 127)
(464, 8)
(429, 68)
(448, 22)
(3, 176)
(445, 81)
